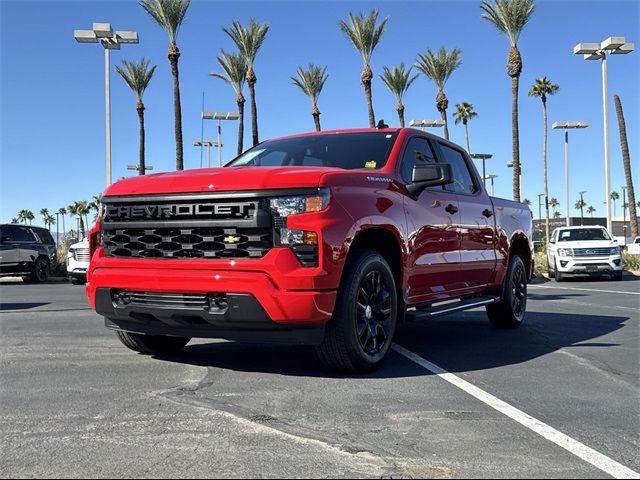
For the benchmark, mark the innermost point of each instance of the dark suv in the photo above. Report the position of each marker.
(26, 250)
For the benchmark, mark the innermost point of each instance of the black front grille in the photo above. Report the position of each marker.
(183, 243)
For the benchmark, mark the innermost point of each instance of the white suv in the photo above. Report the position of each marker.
(583, 251)
(78, 262)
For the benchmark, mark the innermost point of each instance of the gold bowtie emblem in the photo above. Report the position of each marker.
(231, 239)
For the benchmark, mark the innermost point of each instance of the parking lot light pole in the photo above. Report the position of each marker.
(566, 126)
(510, 165)
(599, 51)
(219, 116)
(484, 157)
(208, 144)
(110, 40)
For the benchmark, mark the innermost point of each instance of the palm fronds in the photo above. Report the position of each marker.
(169, 14)
(440, 65)
(508, 16)
(311, 81)
(398, 80)
(364, 32)
(137, 75)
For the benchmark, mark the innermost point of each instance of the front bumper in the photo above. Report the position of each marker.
(590, 266)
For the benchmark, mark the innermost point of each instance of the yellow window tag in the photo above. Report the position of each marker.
(371, 164)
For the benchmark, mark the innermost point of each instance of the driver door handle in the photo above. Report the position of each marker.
(487, 213)
(451, 209)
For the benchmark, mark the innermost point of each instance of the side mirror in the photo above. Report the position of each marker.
(551, 240)
(429, 175)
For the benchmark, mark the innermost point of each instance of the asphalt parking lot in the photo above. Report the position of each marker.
(557, 398)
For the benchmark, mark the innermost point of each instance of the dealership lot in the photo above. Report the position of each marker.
(74, 402)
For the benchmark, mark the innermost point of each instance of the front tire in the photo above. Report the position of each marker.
(152, 344)
(551, 271)
(40, 271)
(363, 323)
(509, 312)
(559, 276)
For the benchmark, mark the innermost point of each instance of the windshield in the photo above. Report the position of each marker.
(581, 234)
(341, 150)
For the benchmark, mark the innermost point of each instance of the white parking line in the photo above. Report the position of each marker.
(589, 455)
(584, 289)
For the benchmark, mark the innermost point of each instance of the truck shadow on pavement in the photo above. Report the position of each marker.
(461, 343)
(20, 306)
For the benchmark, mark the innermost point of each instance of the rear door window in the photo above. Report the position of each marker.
(22, 235)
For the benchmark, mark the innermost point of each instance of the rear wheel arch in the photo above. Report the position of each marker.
(520, 247)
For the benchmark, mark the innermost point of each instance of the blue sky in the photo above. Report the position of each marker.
(52, 89)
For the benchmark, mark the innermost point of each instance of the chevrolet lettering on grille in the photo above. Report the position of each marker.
(157, 212)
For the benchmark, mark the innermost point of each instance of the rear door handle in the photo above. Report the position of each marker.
(451, 209)
(487, 213)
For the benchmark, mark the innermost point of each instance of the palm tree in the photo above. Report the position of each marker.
(235, 71)
(398, 80)
(591, 209)
(464, 112)
(527, 202)
(542, 88)
(23, 215)
(557, 214)
(14, 220)
(510, 17)
(626, 160)
(438, 67)
(365, 33)
(553, 203)
(249, 40)
(614, 196)
(49, 220)
(169, 15)
(44, 212)
(80, 208)
(580, 204)
(62, 211)
(138, 75)
(311, 82)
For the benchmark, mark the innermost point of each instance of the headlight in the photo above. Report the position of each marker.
(285, 206)
(303, 243)
(615, 251)
(565, 252)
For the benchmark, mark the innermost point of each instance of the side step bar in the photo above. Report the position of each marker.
(417, 314)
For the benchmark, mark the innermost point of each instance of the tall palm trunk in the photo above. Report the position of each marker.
(626, 160)
(400, 109)
(81, 227)
(140, 109)
(365, 78)
(174, 55)
(544, 168)
(466, 135)
(251, 81)
(442, 103)
(514, 68)
(240, 102)
(315, 112)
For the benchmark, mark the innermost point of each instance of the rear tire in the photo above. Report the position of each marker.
(361, 329)
(40, 272)
(509, 312)
(152, 344)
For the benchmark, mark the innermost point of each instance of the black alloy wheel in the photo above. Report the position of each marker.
(373, 313)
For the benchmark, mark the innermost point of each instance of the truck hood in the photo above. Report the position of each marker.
(587, 244)
(221, 179)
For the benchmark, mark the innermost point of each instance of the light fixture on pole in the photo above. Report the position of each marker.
(426, 123)
(208, 144)
(566, 126)
(491, 176)
(137, 167)
(219, 116)
(582, 207)
(600, 51)
(484, 157)
(110, 40)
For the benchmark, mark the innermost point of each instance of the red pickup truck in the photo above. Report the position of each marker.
(329, 239)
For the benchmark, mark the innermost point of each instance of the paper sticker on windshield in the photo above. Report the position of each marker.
(371, 164)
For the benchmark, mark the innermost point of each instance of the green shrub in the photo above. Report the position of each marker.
(541, 261)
